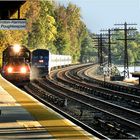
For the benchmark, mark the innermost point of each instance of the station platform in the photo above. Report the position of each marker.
(22, 116)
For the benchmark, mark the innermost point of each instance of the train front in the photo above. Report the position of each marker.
(40, 63)
(16, 64)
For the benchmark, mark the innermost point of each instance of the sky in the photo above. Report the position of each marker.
(103, 14)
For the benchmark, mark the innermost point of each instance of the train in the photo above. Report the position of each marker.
(43, 62)
(16, 60)
(19, 64)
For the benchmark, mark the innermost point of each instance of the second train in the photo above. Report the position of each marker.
(43, 62)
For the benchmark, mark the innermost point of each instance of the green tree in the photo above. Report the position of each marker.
(88, 51)
(43, 29)
(71, 30)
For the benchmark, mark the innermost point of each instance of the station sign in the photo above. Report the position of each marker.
(13, 24)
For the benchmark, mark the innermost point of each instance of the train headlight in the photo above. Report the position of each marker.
(41, 61)
(23, 70)
(10, 69)
(16, 48)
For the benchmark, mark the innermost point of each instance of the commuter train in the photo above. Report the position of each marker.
(16, 64)
(43, 61)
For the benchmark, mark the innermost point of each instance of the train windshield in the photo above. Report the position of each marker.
(40, 54)
(40, 57)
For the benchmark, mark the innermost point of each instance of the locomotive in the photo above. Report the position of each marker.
(43, 61)
(16, 64)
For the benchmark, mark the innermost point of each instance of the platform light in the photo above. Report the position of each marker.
(16, 48)
(23, 70)
(9, 69)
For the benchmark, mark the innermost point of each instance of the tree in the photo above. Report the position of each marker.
(43, 29)
(88, 53)
(71, 30)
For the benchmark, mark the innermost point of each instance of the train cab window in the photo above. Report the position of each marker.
(35, 57)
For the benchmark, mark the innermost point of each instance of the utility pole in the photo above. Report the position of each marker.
(125, 29)
(97, 40)
(100, 45)
(109, 46)
(101, 49)
(98, 49)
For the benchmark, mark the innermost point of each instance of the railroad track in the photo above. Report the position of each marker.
(57, 104)
(129, 114)
(78, 84)
(83, 74)
(64, 96)
(132, 100)
(101, 115)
